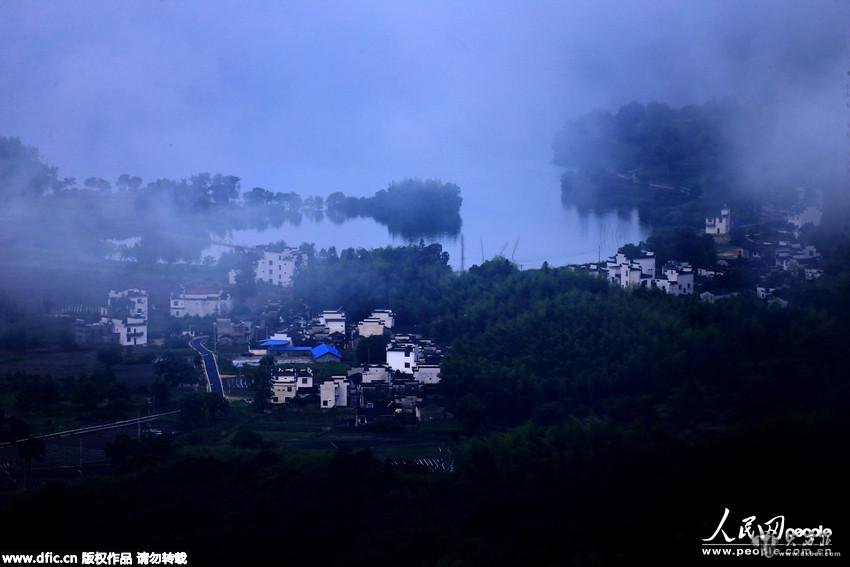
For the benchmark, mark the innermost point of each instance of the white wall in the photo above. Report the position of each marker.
(370, 327)
(276, 268)
(333, 393)
(403, 359)
(429, 374)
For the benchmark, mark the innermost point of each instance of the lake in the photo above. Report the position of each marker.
(511, 209)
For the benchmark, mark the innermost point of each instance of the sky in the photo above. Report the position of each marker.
(321, 96)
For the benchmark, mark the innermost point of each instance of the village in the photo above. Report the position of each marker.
(772, 254)
(372, 371)
(312, 359)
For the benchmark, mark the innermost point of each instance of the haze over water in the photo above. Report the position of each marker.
(511, 204)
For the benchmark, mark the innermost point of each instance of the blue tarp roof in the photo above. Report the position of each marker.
(322, 350)
(274, 342)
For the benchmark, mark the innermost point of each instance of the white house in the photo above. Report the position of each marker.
(631, 272)
(200, 302)
(277, 268)
(677, 278)
(284, 388)
(385, 315)
(719, 226)
(333, 320)
(380, 321)
(287, 382)
(427, 373)
(131, 331)
(372, 373)
(402, 356)
(135, 300)
(791, 257)
(125, 317)
(334, 392)
(303, 377)
(370, 327)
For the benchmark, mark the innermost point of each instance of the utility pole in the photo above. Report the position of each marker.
(462, 254)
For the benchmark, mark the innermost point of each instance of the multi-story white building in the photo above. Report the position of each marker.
(287, 382)
(200, 302)
(131, 331)
(334, 392)
(677, 278)
(277, 268)
(719, 226)
(125, 317)
(402, 354)
(135, 301)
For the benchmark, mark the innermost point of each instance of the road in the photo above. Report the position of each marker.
(210, 365)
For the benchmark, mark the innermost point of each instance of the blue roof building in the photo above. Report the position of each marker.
(326, 353)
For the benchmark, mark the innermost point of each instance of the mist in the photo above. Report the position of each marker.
(324, 96)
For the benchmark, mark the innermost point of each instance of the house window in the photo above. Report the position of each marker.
(324, 402)
(407, 365)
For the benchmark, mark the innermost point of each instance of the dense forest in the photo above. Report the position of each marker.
(409, 279)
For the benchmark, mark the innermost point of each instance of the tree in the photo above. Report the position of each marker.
(127, 182)
(175, 369)
(192, 409)
(372, 350)
(127, 453)
(261, 383)
(22, 173)
(29, 450)
(215, 404)
(97, 183)
(246, 439)
(682, 244)
(110, 356)
(470, 411)
(160, 392)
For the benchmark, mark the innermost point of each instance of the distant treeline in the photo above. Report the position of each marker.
(411, 208)
(654, 142)
(175, 220)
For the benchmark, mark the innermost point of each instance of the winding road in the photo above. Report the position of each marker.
(210, 365)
